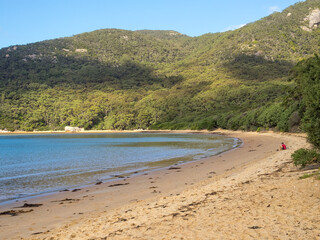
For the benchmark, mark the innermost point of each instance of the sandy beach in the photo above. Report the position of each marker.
(252, 192)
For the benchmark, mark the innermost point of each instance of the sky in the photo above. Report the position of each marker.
(28, 21)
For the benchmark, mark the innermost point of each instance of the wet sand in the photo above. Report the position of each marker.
(252, 192)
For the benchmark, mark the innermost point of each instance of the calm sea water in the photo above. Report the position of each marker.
(37, 164)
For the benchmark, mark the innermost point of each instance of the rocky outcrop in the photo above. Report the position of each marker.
(314, 20)
(81, 50)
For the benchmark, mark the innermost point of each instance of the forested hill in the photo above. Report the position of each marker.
(118, 79)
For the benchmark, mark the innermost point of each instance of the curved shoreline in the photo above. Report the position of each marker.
(91, 203)
(130, 171)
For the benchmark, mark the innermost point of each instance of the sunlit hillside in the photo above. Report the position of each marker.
(118, 79)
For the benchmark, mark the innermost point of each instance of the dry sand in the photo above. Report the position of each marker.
(253, 192)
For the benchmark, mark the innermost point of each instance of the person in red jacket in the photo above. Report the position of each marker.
(283, 146)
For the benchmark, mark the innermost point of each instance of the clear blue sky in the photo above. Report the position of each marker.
(27, 21)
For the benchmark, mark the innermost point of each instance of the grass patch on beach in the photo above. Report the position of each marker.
(315, 174)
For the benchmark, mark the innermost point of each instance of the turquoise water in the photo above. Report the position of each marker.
(36, 164)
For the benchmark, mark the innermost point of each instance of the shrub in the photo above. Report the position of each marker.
(270, 116)
(302, 157)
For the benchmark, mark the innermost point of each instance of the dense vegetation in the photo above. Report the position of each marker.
(118, 79)
(306, 75)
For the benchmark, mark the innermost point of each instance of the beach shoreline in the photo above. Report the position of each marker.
(61, 213)
(128, 172)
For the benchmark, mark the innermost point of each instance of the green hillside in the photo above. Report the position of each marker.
(118, 79)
